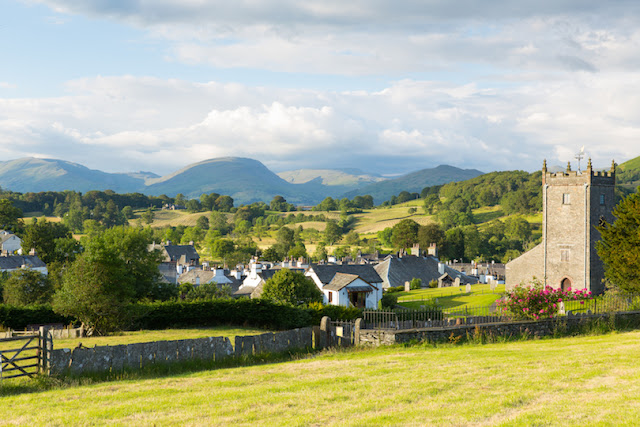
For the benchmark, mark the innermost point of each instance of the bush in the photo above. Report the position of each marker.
(395, 289)
(415, 284)
(433, 284)
(537, 302)
(388, 301)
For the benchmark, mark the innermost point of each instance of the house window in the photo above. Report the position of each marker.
(330, 296)
(564, 255)
(602, 200)
(566, 199)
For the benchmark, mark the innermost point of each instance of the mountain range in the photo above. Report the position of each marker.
(246, 180)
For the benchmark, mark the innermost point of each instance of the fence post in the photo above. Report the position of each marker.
(325, 327)
(356, 331)
(43, 350)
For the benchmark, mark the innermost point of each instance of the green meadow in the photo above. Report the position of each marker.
(587, 380)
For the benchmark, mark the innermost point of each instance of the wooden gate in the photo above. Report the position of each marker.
(26, 354)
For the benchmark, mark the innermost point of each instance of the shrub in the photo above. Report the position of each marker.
(395, 289)
(433, 284)
(388, 300)
(415, 284)
(537, 302)
(20, 317)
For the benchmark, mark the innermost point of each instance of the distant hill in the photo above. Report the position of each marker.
(414, 182)
(31, 174)
(629, 173)
(246, 180)
(345, 179)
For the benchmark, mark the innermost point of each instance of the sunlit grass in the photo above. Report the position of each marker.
(569, 381)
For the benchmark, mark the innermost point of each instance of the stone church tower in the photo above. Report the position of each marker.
(574, 203)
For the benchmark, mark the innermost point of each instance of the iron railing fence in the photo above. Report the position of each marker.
(429, 317)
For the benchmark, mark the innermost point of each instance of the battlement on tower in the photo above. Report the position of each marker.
(571, 177)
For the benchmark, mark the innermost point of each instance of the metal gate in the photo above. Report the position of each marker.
(26, 354)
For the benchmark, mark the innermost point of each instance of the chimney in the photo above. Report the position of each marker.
(441, 268)
(433, 250)
(415, 250)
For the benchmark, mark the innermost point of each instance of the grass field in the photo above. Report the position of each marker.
(481, 295)
(588, 380)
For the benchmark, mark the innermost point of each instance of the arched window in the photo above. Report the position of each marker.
(565, 284)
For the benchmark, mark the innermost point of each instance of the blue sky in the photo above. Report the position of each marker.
(387, 87)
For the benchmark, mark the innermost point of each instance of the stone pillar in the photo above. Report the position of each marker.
(356, 331)
(407, 286)
(325, 327)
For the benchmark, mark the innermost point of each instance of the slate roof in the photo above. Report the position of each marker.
(17, 261)
(326, 272)
(206, 276)
(397, 270)
(342, 280)
(6, 236)
(175, 252)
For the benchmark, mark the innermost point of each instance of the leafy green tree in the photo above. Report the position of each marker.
(291, 287)
(320, 253)
(430, 233)
(404, 234)
(517, 228)
(352, 238)
(271, 254)
(26, 287)
(43, 237)
(207, 292)
(224, 203)
(218, 221)
(10, 216)
(193, 205)
(222, 248)
(148, 216)
(96, 291)
(203, 223)
(454, 244)
(619, 248)
(332, 232)
(384, 236)
(192, 234)
(298, 251)
(127, 212)
(328, 204)
(280, 204)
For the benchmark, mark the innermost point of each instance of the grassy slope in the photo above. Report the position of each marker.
(480, 295)
(569, 381)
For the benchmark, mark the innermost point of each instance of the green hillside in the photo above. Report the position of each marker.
(31, 174)
(414, 182)
(629, 173)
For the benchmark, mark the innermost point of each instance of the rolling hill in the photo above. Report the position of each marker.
(629, 173)
(246, 180)
(33, 175)
(414, 182)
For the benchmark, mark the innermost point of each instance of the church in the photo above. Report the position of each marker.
(574, 203)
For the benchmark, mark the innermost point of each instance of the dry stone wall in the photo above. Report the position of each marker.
(504, 329)
(135, 356)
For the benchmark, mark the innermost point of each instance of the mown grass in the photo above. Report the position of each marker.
(568, 381)
(480, 296)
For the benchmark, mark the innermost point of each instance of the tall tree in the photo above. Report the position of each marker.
(10, 216)
(26, 287)
(619, 248)
(404, 234)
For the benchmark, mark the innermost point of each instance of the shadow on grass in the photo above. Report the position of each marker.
(40, 383)
(479, 218)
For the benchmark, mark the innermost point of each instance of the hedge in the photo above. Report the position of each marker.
(161, 315)
(18, 318)
(248, 312)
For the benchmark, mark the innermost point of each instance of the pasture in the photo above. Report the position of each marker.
(587, 380)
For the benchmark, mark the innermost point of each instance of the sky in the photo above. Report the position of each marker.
(388, 87)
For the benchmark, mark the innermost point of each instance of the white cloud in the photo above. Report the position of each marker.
(7, 85)
(127, 123)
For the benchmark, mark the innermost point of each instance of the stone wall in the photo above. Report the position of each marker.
(135, 356)
(504, 329)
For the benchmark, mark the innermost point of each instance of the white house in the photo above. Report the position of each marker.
(9, 242)
(351, 290)
(356, 285)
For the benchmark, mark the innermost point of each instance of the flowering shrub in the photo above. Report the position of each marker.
(538, 302)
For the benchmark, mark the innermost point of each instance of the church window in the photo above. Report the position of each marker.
(564, 255)
(602, 200)
(566, 199)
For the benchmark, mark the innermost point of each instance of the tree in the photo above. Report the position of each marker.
(10, 216)
(203, 223)
(25, 287)
(279, 204)
(430, 233)
(619, 248)
(221, 248)
(147, 216)
(332, 232)
(291, 287)
(94, 293)
(404, 234)
(43, 237)
(384, 236)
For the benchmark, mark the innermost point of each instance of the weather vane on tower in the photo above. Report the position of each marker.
(579, 157)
